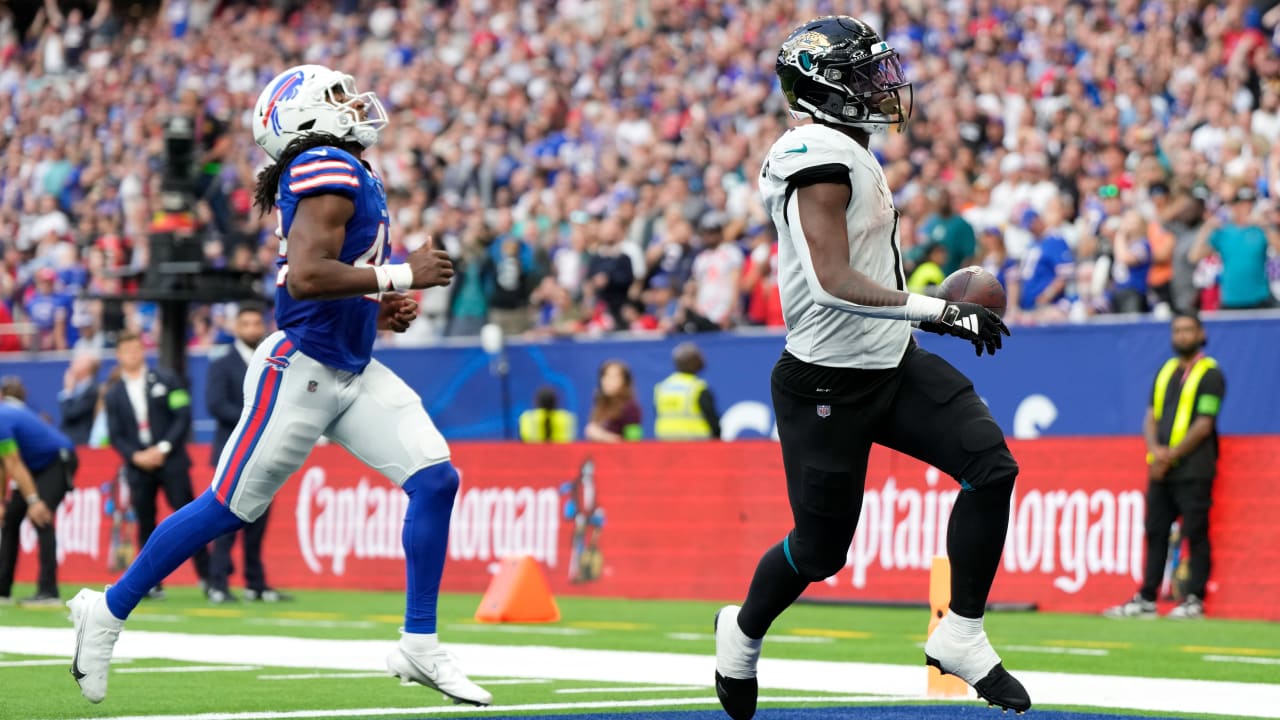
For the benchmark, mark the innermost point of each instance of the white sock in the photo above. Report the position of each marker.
(742, 654)
(419, 643)
(962, 628)
(961, 645)
(103, 614)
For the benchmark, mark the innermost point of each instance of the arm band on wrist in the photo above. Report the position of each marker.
(33, 498)
(394, 278)
(923, 308)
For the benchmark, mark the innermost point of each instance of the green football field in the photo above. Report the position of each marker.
(252, 675)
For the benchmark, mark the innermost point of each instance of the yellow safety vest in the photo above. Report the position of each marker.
(678, 415)
(533, 426)
(1186, 398)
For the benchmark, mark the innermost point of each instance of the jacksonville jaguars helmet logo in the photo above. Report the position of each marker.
(804, 49)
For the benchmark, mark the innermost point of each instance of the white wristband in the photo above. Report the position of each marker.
(922, 308)
(397, 277)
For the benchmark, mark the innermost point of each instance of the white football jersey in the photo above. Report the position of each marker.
(854, 337)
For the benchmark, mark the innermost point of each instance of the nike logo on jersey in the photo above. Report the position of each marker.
(802, 149)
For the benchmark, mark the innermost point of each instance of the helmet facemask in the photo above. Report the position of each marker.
(359, 115)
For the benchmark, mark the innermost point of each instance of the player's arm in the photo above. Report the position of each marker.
(817, 209)
(17, 470)
(316, 270)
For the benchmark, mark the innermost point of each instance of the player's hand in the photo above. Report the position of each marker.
(972, 322)
(396, 312)
(431, 267)
(38, 513)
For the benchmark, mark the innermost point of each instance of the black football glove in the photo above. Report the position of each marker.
(972, 322)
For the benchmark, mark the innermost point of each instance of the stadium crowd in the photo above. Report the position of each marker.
(590, 164)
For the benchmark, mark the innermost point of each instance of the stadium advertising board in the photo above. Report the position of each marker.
(690, 520)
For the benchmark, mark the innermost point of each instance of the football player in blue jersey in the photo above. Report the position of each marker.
(316, 376)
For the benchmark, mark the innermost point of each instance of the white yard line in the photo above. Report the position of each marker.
(1241, 659)
(1053, 650)
(520, 629)
(799, 639)
(326, 676)
(39, 663)
(189, 669)
(1112, 691)
(628, 690)
(468, 710)
(299, 622)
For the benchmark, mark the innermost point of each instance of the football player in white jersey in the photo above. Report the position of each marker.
(852, 375)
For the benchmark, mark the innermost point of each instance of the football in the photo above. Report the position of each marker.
(974, 285)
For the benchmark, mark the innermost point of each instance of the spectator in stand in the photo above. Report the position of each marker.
(615, 414)
(1132, 263)
(716, 271)
(513, 284)
(952, 231)
(51, 312)
(78, 401)
(1041, 280)
(1242, 244)
(1187, 216)
(610, 273)
(1162, 239)
(995, 259)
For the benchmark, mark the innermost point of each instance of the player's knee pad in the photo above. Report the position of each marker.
(992, 465)
(435, 484)
(815, 560)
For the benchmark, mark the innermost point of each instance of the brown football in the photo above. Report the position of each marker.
(974, 285)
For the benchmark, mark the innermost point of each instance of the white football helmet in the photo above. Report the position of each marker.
(310, 99)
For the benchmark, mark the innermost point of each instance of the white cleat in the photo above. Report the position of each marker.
(438, 670)
(96, 633)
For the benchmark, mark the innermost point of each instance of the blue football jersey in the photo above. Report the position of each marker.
(337, 333)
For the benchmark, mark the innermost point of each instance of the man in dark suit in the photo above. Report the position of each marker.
(224, 393)
(148, 420)
(78, 401)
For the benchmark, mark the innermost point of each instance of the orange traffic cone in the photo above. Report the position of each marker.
(518, 593)
(941, 686)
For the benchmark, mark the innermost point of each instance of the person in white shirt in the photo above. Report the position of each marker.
(148, 423)
(852, 374)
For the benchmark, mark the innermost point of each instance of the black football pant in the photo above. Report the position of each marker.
(221, 565)
(929, 411)
(143, 488)
(52, 483)
(1167, 501)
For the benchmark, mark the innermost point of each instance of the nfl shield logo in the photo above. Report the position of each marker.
(824, 411)
(311, 386)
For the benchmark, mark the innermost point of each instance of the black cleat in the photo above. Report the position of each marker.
(737, 697)
(998, 688)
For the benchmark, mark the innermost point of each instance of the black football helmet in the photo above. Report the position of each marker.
(838, 70)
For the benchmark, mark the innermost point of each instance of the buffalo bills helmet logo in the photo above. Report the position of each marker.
(286, 89)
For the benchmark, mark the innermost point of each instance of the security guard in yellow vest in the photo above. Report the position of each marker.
(685, 407)
(1182, 457)
(546, 421)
